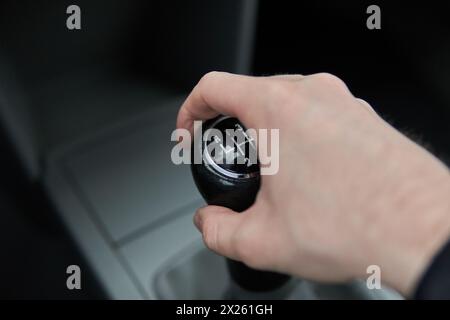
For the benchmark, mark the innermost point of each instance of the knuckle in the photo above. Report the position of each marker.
(330, 80)
(207, 78)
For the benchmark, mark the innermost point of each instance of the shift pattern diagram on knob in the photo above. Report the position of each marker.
(229, 150)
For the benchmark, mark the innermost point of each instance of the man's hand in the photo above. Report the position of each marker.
(351, 191)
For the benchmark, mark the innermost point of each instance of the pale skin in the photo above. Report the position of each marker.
(351, 191)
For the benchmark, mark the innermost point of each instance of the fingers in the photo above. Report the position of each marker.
(239, 96)
(219, 226)
(224, 93)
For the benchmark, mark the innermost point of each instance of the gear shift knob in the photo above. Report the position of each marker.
(229, 176)
(220, 182)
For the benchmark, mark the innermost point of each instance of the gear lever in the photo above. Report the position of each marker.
(229, 176)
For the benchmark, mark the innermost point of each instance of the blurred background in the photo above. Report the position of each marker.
(72, 103)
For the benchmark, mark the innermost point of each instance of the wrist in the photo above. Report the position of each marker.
(421, 243)
(419, 224)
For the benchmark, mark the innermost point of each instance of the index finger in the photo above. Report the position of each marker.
(223, 93)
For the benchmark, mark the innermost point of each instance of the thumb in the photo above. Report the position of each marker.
(218, 226)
